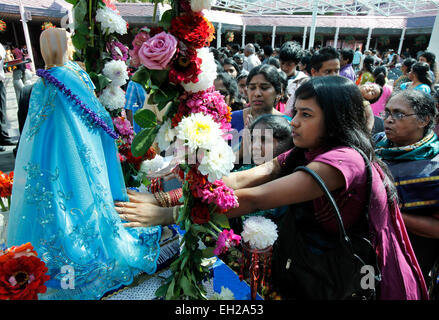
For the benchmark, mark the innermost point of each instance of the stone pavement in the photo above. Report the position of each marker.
(7, 160)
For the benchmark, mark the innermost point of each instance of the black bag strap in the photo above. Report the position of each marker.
(343, 235)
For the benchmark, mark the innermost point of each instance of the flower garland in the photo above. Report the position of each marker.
(2, 26)
(45, 74)
(47, 25)
(178, 71)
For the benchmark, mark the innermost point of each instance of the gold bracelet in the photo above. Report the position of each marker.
(175, 212)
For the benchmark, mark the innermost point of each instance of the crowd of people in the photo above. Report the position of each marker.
(324, 108)
(321, 106)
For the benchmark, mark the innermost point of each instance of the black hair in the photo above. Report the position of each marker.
(270, 73)
(368, 63)
(268, 50)
(291, 51)
(219, 66)
(233, 63)
(431, 59)
(230, 84)
(323, 55)
(408, 62)
(281, 129)
(274, 62)
(423, 104)
(422, 72)
(380, 75)
(284, 83)
(306, 60)
(347, 54)
(345, 120)
(242, 74)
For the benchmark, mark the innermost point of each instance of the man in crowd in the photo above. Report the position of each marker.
(325, 62)
(251, 60)
(346, 59)
(357, 59)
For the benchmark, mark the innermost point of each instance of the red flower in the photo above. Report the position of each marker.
(6, 182)
(200, 213)
(22, 274)
(186, 67)
(194, 29)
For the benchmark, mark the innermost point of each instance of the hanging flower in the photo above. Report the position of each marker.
(165, 136)
(200, 5)
(150, 166)
(198, 131)
(259, 232)
(6, 182)
(47, 25)
(218, 161)
(22, 274)
(186, 66)
(116, 71)
(157, 52)
(193, 28)
(207, 75)
(112, 98)
(217, 193)
(110, 4)
(226, 239)
(2, 26)
(117, 50)
(111, 21)
(200, 213)
(209, 102)
(125, 129)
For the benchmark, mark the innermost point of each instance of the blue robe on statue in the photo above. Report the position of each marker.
(66, 179)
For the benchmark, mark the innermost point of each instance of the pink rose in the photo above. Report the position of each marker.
(140, 38)
(157, 52)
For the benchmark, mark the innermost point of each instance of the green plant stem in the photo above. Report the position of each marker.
(215, 227)
(3, 205)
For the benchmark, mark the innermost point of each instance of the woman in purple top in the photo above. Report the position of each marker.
(329, 122)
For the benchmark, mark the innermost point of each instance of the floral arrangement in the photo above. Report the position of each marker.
(2, 26)
(230, 36)
(259, 232)
(22, 273)
(177, 69)
(6, 182)
(47, 25)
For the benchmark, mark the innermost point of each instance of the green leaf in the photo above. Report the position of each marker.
(166, 94)
(208, 252)
(145, 118)
(80, 10)
(188, 288)
(82, 29)
(170, 291)
(221, 220)
(72, 1)
(165, 21)
(79, 41)
(142, 76)
(161, 291)
(158, 77)
(142, 141)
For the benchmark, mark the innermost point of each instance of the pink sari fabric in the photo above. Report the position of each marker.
(401, 275)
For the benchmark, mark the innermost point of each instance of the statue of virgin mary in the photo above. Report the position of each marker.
(67, 177)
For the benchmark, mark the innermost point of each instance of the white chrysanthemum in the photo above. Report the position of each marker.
(198, 131)
(259, 232)
(150, 166)
(110, 21)
(112, 98)
(208, 72)
(165, 136)
(116, 70)
(200, 5)
(226, 294)
(218, 161)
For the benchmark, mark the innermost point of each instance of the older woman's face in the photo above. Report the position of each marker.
(370, 91)
(406, 130)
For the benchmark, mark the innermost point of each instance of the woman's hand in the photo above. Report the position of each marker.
(140, 213)
(140, 197)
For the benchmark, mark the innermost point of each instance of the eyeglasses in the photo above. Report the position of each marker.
(395, 116)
